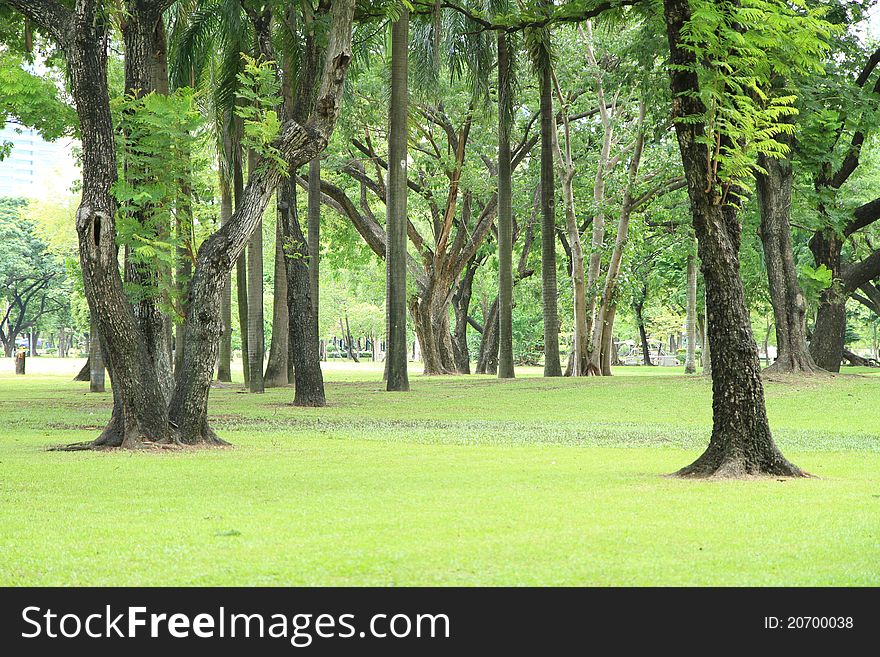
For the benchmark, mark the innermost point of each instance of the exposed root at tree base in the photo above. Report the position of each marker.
(738, 468)
(113, 439)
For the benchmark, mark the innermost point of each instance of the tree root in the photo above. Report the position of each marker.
(710, 466)
(114, 438)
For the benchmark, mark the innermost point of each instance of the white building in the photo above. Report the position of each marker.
(36, 168)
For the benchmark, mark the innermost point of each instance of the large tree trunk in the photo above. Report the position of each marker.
(146, 71)
(296, 144)
(690, 365)
(395, 258)
(308, 378)
(741, 443)
(141, 411)
(789, 305)
(826, 343)
(505, 223)
(276, 368)
(552, 365)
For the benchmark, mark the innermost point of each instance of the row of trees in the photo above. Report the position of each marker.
(466, 123)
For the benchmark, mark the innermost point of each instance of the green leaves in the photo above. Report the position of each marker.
(259, 93)
(741, 49)
(32, 100)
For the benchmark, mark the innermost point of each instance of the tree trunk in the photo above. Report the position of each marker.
(145, 72)
(690, 366)
(141, 410)
(276, 369)
(95, 361)
(256, 329)
(32, 342)
(314, 235)
(84, 373)
(302, 321)
(638, 308)
(395, 258)
(505, 227)
(789, 305)
(487, 362)
(461, 303)
(20, 358)
(224, 361)
(826, 343)
(552, 365)
(741, 443)
(604, 322)
(241, 270)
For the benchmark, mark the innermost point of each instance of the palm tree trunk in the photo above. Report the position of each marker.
(690, 366)
(276, 368)
(256, 335)
(224, 360)
(505, 217)
(395, 259)
(552, 365)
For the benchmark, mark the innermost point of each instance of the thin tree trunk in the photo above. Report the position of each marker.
(552, 365)
(461, 303)
(314, 234)
(241, 270)
(256, 329)
(505, 221)
(690, 366)
(224, 361)
(789, 305)
(603, 322)
(96, 361)
(395, 258)
(276, 369)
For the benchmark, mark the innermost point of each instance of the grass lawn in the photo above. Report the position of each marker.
(464, 480)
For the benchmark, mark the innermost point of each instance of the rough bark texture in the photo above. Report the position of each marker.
(255, 322)
(505, 219)
(552, 365)
(95, 361)
(146, 71)
(396, 222)
(461, 303)
(826, 344)
(690, 365)
(140, 411)
(303, 327)
(789, 304)
(741, 443)
(487, 362)
(276, 368)
(224, 360)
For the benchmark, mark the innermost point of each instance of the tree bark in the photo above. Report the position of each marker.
(690, 365)
(95, 361)
(146, 71)
(256, 328)
(826, 344)
(789, 305)
(487, 363)
(552, 365)
(276, 368)
(505, 225)
(241, 270)
(461, 303)
(396, 222)
(308, 378)
(741, 443)
(224, 361)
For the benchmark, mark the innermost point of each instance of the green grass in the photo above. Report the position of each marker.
(464, 480)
